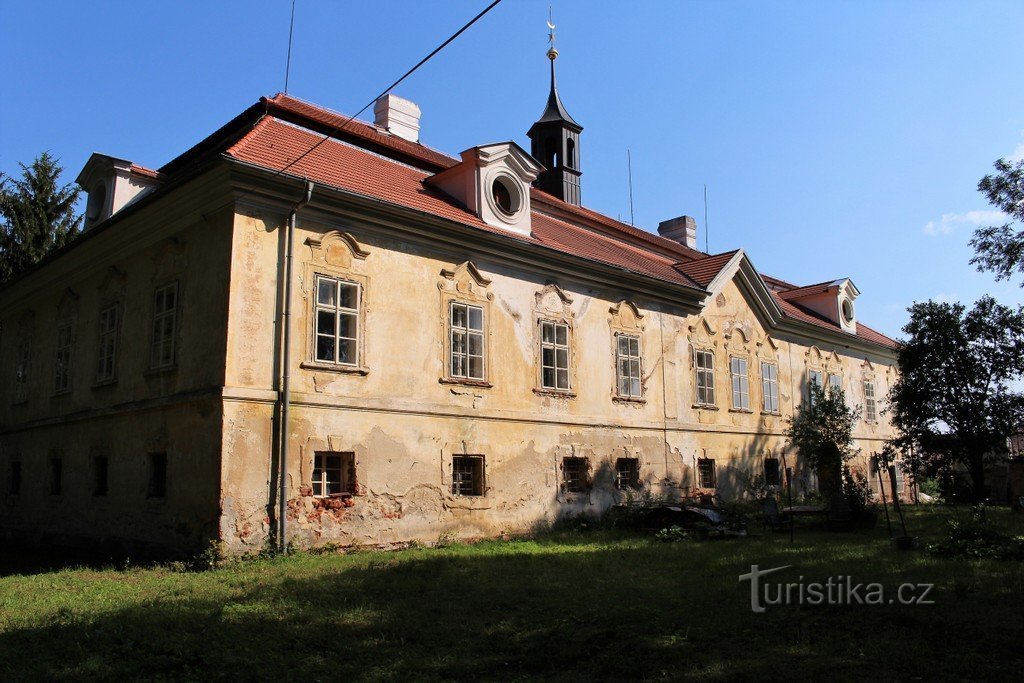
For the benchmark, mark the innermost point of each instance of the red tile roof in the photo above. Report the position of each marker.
(396, 174)
(807, 290)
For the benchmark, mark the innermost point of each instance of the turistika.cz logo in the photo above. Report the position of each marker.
(837, 590)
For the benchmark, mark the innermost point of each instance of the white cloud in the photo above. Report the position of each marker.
(946, 298)
(951, 221)
(1018, 154)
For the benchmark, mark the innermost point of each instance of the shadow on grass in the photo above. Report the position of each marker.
(610, 610)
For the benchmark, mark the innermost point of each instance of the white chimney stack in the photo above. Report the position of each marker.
(682, 230)
(398, 116)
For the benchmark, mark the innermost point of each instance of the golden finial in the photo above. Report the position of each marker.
(552, 52)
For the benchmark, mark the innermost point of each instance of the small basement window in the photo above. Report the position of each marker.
(99, 475)
(627, 474)
(575, 474)
(706, 473)
(157, 487)
(334, 474)
(468, 475)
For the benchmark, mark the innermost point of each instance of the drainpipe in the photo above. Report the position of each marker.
(285, 395)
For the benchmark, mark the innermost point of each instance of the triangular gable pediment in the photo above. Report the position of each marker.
(741, 271)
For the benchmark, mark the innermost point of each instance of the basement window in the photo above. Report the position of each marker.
(707, 477)
(468, 475)
(99, 476)
(56, 476)
(627, 474)
(14, 478)
(334, 474)
(157, 487)
(575, 474)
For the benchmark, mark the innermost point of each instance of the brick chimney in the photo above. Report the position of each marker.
(398, 116)
(682, 230)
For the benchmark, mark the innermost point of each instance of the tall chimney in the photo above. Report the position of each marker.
(398, 116)
(682, 230)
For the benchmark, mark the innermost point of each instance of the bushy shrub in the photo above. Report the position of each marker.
(977, 537)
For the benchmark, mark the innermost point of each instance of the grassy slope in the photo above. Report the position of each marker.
(573, 606)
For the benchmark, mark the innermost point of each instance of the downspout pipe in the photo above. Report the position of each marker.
(286, 357)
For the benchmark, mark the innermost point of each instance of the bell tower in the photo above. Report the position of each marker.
(555, 142)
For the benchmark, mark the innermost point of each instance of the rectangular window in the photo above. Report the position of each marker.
(554, 355)
(14, 478)
(334, 473)
(835, 382)
(771, 472)
(740, 383)
(21, 367)
(56, 476)
(870, 409)
(106, 363)
(627, 474)
(575, 474)
(813, 380)
(165, 313)
(157, 476)
(704, 362)
(336, 321)
(468, 475)
(628, 364)
(62, 359)
(706, 473)
(467, 341)
(99, 475)
(770, 387)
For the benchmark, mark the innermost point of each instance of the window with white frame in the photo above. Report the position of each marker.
(106, 365)
(554, 355)
(62, 357)
(165, 313)
(769, 387)
(835, 381)
(468, 475)
(21, 369)
(870, 408)
(704, 363)
(466, 325)
(336, 323)
(334, 474)
(813, 380)
(740, 383)
(628, 366)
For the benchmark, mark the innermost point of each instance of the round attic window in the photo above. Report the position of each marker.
(847, 307)
(506, 196)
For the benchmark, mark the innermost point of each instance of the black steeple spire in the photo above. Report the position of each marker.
(555, 142)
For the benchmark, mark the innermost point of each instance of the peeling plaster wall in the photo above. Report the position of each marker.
(404, 419)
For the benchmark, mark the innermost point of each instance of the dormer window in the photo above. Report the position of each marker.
(505, 193)
(97, 200)
(112, 185)
(847, 310)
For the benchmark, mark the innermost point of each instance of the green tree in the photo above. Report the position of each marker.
(953, 403)
(1000, 248)
(37, 215)
(822, 433)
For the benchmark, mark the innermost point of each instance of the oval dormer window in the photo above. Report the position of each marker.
(847, 311)
(506, 196)
(97, 198)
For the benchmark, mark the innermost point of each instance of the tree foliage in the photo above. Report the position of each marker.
(821, 430)
(37, 215)
(953, 402)
(1000, 248)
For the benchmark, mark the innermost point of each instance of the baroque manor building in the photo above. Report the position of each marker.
(428, 343)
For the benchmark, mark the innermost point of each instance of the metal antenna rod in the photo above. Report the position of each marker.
(288, 65)
(629, 169)
(706, 248)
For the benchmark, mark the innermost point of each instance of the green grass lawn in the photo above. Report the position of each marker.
(574, 605)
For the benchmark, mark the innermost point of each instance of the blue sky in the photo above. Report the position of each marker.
(837, 139)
